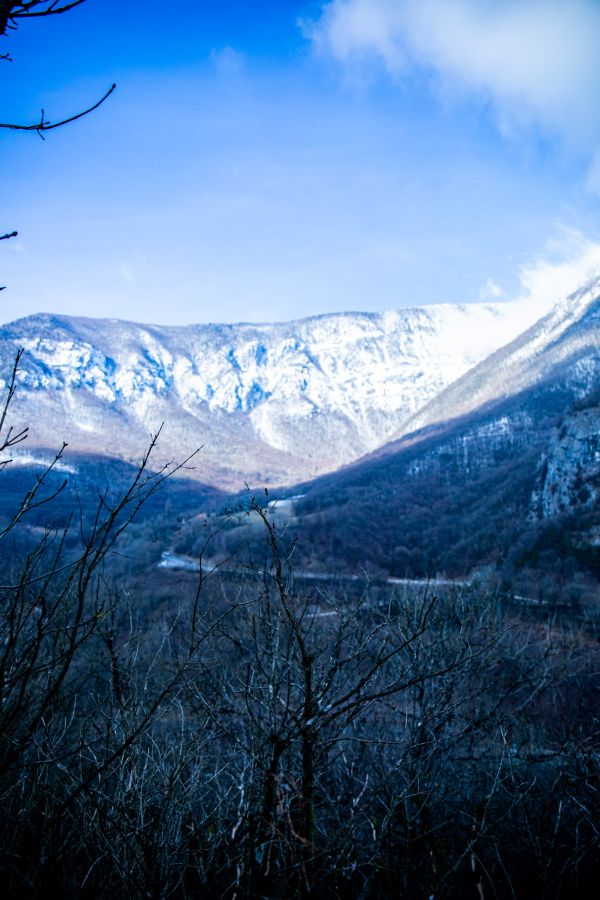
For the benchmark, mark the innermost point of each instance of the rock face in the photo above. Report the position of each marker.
(268, 403)
(570, 468)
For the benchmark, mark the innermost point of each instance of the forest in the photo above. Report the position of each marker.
(236, 732)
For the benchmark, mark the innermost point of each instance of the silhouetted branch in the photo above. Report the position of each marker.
(5, 237)
(9, 11)
(46, 125)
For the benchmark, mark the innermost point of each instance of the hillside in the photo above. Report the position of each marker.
(502, 471)
(269, 404)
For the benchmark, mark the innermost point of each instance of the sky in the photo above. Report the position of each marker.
(271, 160)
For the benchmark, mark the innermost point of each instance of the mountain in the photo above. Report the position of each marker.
(435, 440)
(570, 467)
(273, 403)
(499, 466)
(562, 346)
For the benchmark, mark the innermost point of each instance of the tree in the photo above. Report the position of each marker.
(80, 692)
(353, 726)
(252, 737)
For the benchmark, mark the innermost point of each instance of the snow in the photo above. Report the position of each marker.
(338, 385)
(30, 459)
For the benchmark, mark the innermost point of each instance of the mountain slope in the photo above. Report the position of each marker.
(269, 403)
(563, 345)
(486, 471)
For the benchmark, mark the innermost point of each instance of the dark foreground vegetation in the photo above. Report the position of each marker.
(202, 735)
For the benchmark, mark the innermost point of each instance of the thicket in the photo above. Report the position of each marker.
(235, 735)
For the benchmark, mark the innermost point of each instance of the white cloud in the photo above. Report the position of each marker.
(360, 28)
(536, 61)
(491, 290)
(227, 62)
(570, 262)
(128, 272)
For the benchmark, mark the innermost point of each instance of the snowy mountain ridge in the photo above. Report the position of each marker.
(567, 337)
(293, 399)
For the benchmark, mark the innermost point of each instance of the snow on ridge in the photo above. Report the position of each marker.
(341, 381)
(21, 458)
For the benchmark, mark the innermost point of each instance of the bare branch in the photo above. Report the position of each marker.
(10, 11)
(46, 125)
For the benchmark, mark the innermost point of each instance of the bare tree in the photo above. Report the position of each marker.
(75, 697)
(253, 738)
(311, 682)
(11, 12)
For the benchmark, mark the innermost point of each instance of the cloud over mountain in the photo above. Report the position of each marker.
(535, 61)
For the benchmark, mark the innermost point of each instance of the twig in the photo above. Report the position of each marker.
(46, 125)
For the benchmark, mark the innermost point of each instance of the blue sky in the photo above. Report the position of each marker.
(271, 160)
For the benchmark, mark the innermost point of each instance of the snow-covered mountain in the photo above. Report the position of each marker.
(476, 476)
(268, 403)
(563, 345)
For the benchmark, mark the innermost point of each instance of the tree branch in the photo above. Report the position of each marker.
(46, 125)
(9, 11)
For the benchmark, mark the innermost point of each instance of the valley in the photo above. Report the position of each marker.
(269, 404)
(491, 456)
(411, 597)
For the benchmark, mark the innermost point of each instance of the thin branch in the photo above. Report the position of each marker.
(53, 10)
(46, 125)
(10, 394)
(10, 11)
(5, 237)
